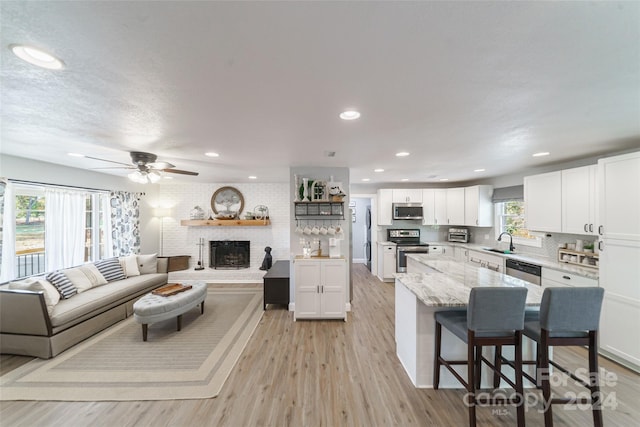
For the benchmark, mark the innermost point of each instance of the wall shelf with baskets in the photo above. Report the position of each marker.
(319, 210)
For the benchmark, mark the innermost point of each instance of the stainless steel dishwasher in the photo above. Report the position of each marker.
(524, 270)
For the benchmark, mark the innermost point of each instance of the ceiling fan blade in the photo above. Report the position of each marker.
(114, 167)
(180, 172)
(110, 161)
(160, 165)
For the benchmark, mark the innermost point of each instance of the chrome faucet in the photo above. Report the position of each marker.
(511, 247)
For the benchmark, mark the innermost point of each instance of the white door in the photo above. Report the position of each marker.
(455, 206)
(428, 206)
(385, 213)
(578, 200)
(440, 202)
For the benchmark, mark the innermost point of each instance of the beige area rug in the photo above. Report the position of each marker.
(116, 365)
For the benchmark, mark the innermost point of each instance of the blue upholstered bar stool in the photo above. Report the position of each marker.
(494, 317)
(569, 316)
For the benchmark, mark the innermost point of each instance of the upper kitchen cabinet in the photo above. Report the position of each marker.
(434, 206)
(579, 200)
(407, 195)
(385, 212)
(455, 206)
(543, 201)
(478, 206)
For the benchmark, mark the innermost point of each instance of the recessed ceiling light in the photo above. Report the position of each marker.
(212, 154)
(349, 115)
(402, 154)
(543, 153)
(404, 179)
(37, 57)
(252, 177)
(378, 170)
(167, 177)
(444, 179)
(479, 170)
(75, 154)
(366, 179)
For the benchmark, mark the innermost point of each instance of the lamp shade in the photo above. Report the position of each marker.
(161, 212)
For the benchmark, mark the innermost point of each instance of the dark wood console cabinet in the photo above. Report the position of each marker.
(276, 284)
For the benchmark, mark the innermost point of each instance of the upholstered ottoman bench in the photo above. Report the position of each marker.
(153, 308)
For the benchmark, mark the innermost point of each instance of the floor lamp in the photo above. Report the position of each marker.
(161, 213)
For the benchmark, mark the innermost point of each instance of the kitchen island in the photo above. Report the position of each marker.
(443, 283)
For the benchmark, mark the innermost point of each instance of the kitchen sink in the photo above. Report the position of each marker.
(498, 251)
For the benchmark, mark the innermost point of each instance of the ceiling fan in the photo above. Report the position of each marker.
(146, 168)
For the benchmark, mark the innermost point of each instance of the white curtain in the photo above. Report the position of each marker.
(8, 252)
(65, 223)
(107, 227)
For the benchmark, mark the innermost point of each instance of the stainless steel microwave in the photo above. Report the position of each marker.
(407, 211)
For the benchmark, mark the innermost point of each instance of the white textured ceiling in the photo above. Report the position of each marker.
(459, 85)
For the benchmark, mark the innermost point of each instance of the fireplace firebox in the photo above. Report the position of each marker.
(229, 254)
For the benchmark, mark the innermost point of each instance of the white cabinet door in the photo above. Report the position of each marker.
(543, 201)
(619, 202)
(455, 206)
(619, 196)
(332, 289)
(440, 202)
(389, 263)
(385, 210)
(428, 206)
(460, 253)
(307, 295)
(478, 206)
(579, 200)
(413, 195)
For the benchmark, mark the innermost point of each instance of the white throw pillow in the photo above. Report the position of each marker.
(85, 277)
(129, 265)
(39, 284)
(148, 264)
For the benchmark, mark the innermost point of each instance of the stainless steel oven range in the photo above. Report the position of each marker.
(407, 241)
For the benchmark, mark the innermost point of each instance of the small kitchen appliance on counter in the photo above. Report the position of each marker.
(460, 235)
(334, 248)
(407, 242)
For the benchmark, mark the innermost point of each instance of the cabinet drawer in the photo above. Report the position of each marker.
(565, 278)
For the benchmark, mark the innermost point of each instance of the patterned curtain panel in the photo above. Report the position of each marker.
(125, 222)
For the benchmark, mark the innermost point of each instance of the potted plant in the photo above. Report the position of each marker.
(588, 247)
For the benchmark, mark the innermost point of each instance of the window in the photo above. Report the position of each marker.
(30, 206)
(510, 218)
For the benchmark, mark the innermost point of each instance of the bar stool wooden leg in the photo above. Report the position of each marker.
(545, 374)
(519, 382)
(594, 380)
(436, 365)
(478, 370)
(471, 382)
(497, 361)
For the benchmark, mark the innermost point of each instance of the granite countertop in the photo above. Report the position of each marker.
(385, 243)
(540, 260)
(448, 282)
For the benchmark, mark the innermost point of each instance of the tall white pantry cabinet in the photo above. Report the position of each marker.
(619, 230)
(320, 288)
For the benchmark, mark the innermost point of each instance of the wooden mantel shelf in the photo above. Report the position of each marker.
(224, 222)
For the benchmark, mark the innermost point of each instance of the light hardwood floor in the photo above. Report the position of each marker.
(322, 373)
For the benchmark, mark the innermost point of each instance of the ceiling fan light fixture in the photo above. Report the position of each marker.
(37, 57)
(154, 176)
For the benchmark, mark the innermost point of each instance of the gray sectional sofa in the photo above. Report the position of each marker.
(30, 325)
